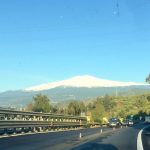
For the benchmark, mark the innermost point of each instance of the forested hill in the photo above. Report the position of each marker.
(69, 93)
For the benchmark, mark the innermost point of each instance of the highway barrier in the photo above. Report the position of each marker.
(13, 121)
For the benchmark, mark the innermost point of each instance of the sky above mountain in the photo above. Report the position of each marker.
(51, 40)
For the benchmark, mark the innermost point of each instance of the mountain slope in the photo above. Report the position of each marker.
(83, 81)
(76, 88)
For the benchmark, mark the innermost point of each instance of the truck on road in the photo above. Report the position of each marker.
(147, 119)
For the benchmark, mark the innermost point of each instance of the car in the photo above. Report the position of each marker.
(130, 122)
(114, 122)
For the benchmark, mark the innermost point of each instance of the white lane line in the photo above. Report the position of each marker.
(139, 141)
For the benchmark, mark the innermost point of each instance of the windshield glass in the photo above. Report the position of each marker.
(75, 71)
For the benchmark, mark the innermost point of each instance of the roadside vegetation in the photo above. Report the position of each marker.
(98, 109)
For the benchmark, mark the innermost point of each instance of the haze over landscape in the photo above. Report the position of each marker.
(81, 87)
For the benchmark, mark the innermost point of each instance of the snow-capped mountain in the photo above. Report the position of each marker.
(83, 81)
(76, 88)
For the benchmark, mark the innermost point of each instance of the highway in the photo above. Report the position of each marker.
(118, 139)
(146, 139)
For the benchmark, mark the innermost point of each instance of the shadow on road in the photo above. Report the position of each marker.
(140, 125)
(95, 146)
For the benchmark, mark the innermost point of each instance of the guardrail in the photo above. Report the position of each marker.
(12, 121)
(25, 115)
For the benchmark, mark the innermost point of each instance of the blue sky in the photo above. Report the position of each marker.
(49, 40)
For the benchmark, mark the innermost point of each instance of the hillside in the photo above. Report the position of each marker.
(76, 88)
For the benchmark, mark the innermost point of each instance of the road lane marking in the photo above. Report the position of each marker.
(139, 141)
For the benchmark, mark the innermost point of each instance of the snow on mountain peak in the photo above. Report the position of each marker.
(82, 81)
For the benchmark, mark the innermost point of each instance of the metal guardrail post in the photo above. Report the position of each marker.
(35, 121)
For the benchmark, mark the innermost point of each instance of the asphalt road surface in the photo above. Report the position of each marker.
(92, 139)
(146, 139)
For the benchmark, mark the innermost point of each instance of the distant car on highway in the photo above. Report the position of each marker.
(114, 122)
(128, 122)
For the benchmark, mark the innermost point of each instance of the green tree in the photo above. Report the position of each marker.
(41, 103)
(148, 98)
(54, 109)
(141, 103)
(29, 107)
(62, 111)
(90, 106)
(148, 79)
(98, 113)
(108, 104)
(82, 107)
(74, 108)
(122, 113)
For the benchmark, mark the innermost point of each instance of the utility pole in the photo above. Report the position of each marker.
(116, 92)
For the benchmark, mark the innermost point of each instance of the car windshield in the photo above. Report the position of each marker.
(74, 74)
(113, 119)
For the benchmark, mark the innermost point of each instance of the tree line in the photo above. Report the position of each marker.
(98, 108)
